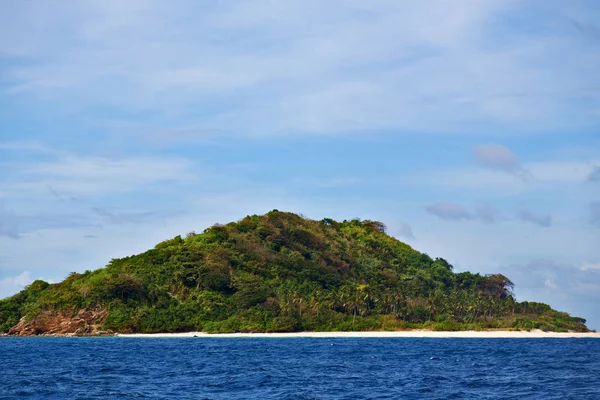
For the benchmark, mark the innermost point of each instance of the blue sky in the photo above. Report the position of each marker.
(470, 128)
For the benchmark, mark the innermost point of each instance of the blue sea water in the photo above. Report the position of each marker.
(299, 368)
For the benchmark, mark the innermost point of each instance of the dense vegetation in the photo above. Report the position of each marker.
(282, 272)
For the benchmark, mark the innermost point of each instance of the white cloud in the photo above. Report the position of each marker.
(587, 266)
(11, 285)
(302, 65)
(550, 283)
(125, 171)
(561, 171)
(26, 147)
(470, 178)
(88, 175)
(563, 285)
(84, 193)
(544, 175)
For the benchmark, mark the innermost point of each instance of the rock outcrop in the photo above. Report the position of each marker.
(86, 322)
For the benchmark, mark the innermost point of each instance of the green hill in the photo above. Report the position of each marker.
(274, 273)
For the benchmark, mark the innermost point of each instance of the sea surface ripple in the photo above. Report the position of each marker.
(299, 368)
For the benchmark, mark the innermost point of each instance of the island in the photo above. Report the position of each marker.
(278, 272)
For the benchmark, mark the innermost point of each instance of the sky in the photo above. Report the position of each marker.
(470, 128)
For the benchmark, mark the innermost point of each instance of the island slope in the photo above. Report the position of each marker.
(278, 272)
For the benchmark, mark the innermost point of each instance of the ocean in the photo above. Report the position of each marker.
(298, 368)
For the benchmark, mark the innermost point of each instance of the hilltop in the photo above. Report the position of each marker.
(278, 272)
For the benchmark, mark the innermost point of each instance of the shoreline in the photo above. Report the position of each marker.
(374, 334)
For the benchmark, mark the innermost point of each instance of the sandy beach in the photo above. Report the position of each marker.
(382, 334)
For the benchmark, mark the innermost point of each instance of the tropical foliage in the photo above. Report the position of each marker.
(281, 272)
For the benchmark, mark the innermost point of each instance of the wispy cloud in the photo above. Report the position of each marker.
(449, 211)
(125, 171)
(484, 213)
(555, 175)
(454, 211)
(13, 284)
(402, 65)
(587, 266)
(570, 287)
(594, 175)
(129, 217)
(594, 214)
(33, 146)
(488, 214)
(72, 176)
(402, 230)
(9, 224)
(565, 276)
(15, 225)
(170, 137)
(496, 156)
(561, 171)
(501, 158)
(544, 220)
(67, 191)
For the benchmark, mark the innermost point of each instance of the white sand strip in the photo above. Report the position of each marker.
(382, 334)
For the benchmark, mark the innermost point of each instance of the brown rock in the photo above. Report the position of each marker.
(85, 322)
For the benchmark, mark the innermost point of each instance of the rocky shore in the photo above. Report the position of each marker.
(86, 322)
